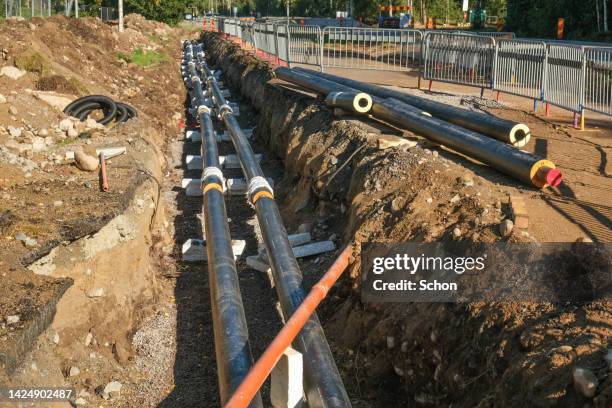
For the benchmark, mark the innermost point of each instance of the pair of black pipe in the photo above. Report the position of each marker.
(519, 164)
(117, 111)
(232, 349)
(323, 384)
(507, 131)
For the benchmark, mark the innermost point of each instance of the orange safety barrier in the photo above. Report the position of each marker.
(259, 372)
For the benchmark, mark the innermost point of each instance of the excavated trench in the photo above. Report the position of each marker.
(341, 177)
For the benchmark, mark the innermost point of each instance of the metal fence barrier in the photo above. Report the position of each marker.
(305, 45)
(598, 79)
(563, 85)
(572, 76)
(520, 68)
(459, 58)
(371, 48)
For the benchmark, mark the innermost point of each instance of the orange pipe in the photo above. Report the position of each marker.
(103, 172)
(261, 370)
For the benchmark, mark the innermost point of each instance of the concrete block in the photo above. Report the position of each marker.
(303, 251)
(193, 136)
(254, 262)
(239, 186)
(294, 240)
(193, 162)
(193, 187)
(194, 250)
(287, 379)
(227, 162)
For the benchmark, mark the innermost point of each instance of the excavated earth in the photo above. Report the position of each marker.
(428, 354)
(81, 292)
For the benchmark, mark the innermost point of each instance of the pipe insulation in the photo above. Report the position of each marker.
(350, 101)
(323, 384)
(232, 348)
(516, 134)
(517, 163)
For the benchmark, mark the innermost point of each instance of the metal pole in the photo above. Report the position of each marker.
(120, 16)
(76, 8)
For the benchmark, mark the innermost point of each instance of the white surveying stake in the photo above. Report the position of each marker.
(120, 8)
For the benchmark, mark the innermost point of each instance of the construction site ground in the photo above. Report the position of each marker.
(93, 292)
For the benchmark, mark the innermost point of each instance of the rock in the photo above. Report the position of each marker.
(88, 339)
(80, 401)
(390, 342)
(55, 101)
(56, 338)
(608, 359)
(95, 293)
(38, 144)
(58, 203)
(112, 389)
(74, 371)
(48, 140)
(72, 133)
(305, 227)
(505, 228)
(466, 181)
(20, 236)
(455, 199)
(14, 319)
(333, 160)
(66, 124)
(456, 232)
(14, 131)
(84, 161)
(397, 204)
(585, 381)
(429, 200)
(43, 132)
(13, 110)
(2, 99)
(387, 141)
(13, 73)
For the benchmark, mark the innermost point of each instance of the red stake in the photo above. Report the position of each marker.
(103, 172)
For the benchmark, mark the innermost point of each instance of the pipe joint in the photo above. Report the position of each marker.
(215, 174)
(225, 108)
(203, 109)
(259, 187)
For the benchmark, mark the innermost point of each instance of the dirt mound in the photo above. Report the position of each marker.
(478, 354)
(48, 206)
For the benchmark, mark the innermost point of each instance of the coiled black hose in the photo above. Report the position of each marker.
(83, 107)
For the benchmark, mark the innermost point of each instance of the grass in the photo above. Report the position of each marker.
(143, 58)
(33, 62)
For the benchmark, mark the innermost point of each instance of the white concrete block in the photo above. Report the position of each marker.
(194, 250)
(227, 162)
(294, 240)
(287, 381)
(193, 136)
(254, 262)
(193, 162)
(238, 186)
(314, 248)
(193, 187)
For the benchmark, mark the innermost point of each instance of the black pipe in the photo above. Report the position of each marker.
(323, 384)
(507, 131)
(93, 102)
(232, 349)
(350, 101)
(519, 164)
